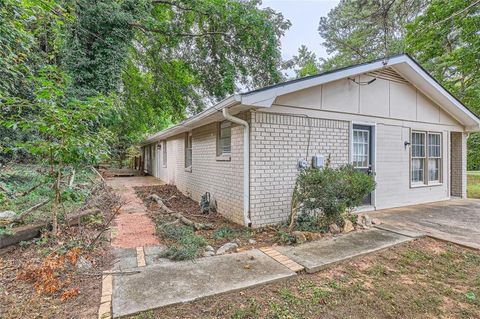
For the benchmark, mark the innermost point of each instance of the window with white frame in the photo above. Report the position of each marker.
(434, 157)
(188, 150)
(361, 151)
(164, 154)
(426, 153)
(224, 145)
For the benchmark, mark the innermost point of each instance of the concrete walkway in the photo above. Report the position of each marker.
(316, 255)
(176, 282)
(456, 220)
(163, 283)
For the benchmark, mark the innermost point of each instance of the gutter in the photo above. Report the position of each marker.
(246, 164)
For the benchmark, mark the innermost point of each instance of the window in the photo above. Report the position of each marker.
(164, 155)
(361, 151)
(434, 157)
(426, 157)
(418, 157)
(188, 150)
(224, 138)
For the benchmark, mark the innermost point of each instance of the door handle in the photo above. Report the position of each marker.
(370, 171)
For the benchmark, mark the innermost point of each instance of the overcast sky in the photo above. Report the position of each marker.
(304, 15)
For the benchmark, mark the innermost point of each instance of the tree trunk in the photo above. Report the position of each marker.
(57, 201)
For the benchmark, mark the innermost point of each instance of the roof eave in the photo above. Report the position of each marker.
(190, 122)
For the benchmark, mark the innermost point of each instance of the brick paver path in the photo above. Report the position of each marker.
(133, 226)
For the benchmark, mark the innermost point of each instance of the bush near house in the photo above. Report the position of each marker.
(325, 194)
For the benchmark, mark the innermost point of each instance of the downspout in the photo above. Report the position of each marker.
(246, 164)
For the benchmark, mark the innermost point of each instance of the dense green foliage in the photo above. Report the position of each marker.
(441, 34)
(156, 62)
(62, 130)
(331, 191)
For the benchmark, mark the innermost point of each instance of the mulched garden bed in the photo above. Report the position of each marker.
(223, 231)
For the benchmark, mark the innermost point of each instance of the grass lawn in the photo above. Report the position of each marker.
(421, 279)
(473, 182)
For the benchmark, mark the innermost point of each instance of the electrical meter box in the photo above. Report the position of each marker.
(318, 161)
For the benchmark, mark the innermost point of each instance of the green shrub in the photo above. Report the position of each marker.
(311, 223)
(330, 191)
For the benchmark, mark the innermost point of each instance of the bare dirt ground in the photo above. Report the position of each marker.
(421, 279)
(42, 278)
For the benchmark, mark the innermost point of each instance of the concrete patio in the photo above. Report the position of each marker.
(456, 220)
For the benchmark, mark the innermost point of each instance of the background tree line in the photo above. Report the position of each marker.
(138, 66)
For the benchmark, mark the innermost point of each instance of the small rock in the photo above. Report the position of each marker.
(226, 248)
(347, 226)
(83, 264)
(367, 221)
(7, 215)
(209, 248)
(238, 241)
(312, 235)
(209, 253)
(252, 241)
(334, 229)
(299, 237)
(247, 266)
(154, 197)
(376, 221)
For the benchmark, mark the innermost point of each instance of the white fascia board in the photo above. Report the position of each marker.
(190, 123)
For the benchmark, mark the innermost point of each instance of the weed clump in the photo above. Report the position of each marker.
(186, 244)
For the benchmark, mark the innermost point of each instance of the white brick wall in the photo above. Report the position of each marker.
(277, 142)
(223, 179)
(459, 164)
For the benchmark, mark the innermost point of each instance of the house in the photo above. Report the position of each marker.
(388, 117)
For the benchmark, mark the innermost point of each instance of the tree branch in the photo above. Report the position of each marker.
(179, 34)
(178, 6)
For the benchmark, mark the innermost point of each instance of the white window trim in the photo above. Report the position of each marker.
(188, 136)
(369, 146)
(223, 156)
(426, 182)
(164, 154)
